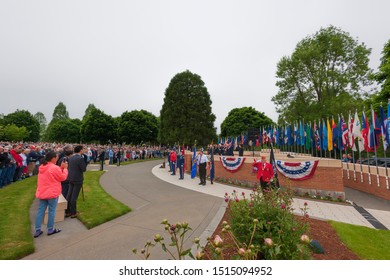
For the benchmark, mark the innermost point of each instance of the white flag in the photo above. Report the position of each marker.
(357, 133)
(351, 138)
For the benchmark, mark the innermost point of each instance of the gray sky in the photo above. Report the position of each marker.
(121, 55)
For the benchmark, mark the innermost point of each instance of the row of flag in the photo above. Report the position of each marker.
(330, 134)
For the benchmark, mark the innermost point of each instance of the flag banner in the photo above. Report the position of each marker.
(232, 164)
(212, 169)
(297, 170)
(383, 128)
(273, 163)
(193, 170)
(357, 133)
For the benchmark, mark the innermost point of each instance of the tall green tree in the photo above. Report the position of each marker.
(40, 117)
(186, 114)
(137, 126)
(88, 110)
(383, 78)
(98, 127)
(327, 74)
(60, 112)
(23, 118)
(240, 120)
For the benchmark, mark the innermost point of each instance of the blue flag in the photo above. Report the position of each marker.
(212, 169)
(324, 136)
(383, 124)
(193, 170)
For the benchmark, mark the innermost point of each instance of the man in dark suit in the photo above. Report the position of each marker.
(76, 170)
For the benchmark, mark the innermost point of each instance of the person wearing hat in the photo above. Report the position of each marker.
(265, 173)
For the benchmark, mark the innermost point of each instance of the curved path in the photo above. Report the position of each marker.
(151, 199)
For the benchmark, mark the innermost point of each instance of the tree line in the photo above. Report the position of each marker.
(327, 74)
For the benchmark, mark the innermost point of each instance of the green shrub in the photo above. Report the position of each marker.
(278, 232)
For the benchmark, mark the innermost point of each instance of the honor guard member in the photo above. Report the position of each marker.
(180, 164)
(265, 173)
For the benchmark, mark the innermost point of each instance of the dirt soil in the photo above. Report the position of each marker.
(320, 230)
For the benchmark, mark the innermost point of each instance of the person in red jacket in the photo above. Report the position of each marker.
(173, 159)
(49, 189)
(265, 173)
(15, 153)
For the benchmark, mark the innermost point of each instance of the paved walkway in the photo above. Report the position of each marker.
(158, 197)
(378, 208)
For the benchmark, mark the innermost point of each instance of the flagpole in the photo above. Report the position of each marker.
(375, 143)
(386, 133)
(361, 167)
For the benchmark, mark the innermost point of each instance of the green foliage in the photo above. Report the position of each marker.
(90, 108)
(175, 248)
(60, 112)
(278, 232)
(239, 120)
(64, 131)
(40, 117)
(186, 114)
(327, 74)
(13, 133)
(23, 118)
(383, 79)
(98, 127)
(137, 126)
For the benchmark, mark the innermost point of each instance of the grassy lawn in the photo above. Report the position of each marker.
(16, 240)
(98, 207)
(367, 243)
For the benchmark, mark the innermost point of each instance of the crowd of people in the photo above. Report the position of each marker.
(22, 160)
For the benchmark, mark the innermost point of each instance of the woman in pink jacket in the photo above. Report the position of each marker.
(50, 177)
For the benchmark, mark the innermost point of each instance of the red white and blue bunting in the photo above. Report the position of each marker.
(297, 170)
(232, 164)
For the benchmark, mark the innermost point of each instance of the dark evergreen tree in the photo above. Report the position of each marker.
(186, 114)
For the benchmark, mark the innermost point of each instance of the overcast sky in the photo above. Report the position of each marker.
(121, 55)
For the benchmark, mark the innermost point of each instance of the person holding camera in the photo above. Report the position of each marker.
(48, 190)
(64, 155)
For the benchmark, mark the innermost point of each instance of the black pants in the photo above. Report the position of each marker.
(202, 173)
(264, 185)
(73, 194)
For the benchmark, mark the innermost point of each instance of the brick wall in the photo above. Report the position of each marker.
(326, 178)
(356, 183)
